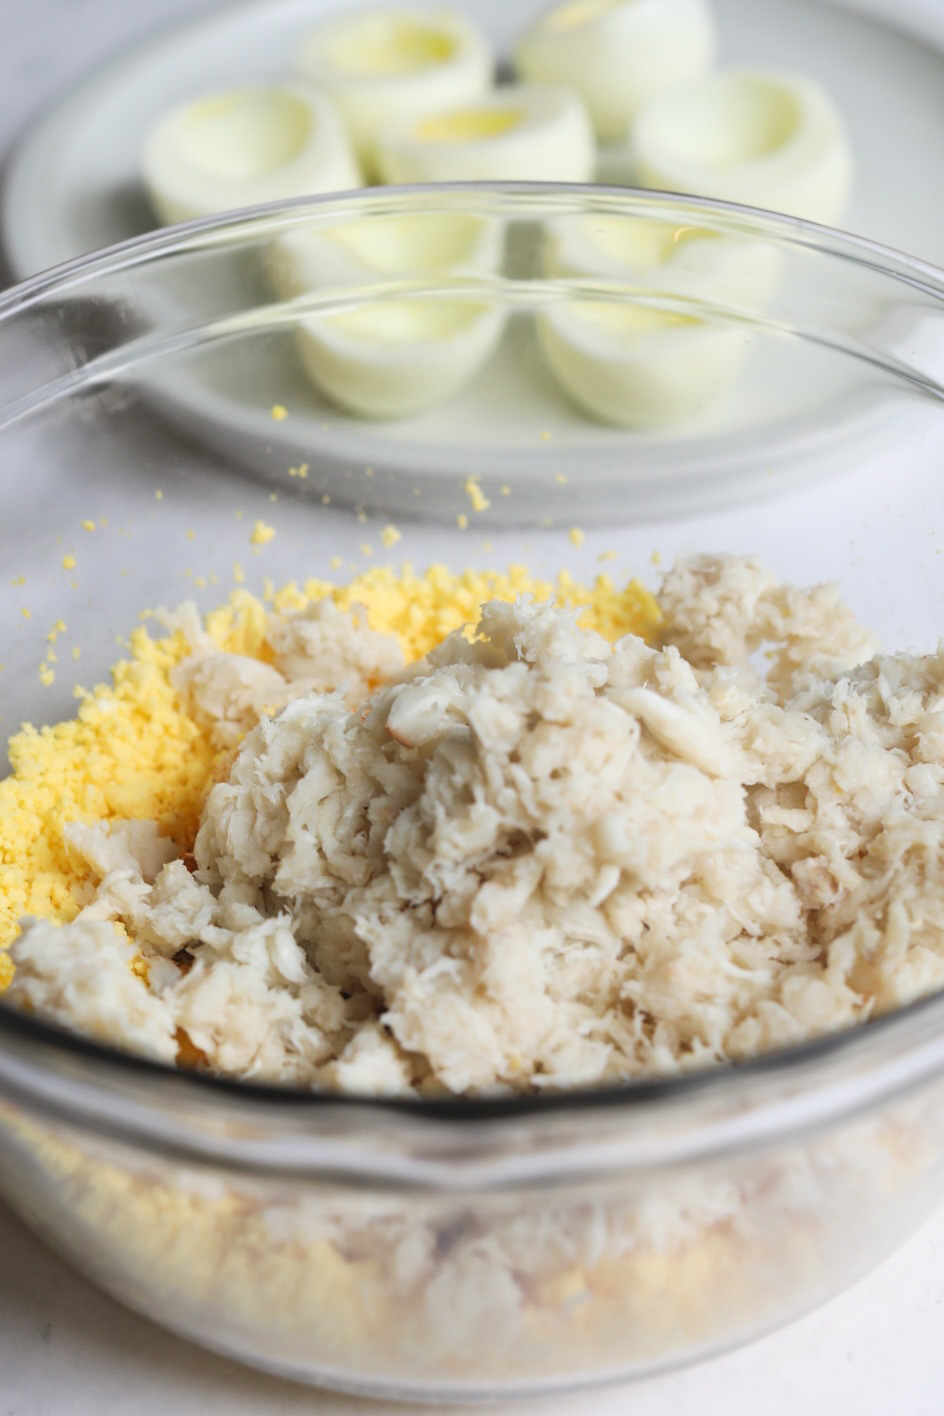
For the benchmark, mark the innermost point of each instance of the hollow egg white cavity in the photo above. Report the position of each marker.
(673, 257)
(393, 354)
(618, 54)
(654, 355)
(382, 65)
(391, 358)
(237, 148)
(410, 245)
(516, 133)
(766, 139)
(636, 367)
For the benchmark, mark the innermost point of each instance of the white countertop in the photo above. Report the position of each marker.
(66, 1348)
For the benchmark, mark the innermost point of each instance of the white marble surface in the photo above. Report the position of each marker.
(65, 1348)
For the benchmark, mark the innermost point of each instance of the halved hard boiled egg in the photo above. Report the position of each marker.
(517, 133)
(618, 54)
(391, 358)
(383, 247)
(655, 351)
(380, 65)
(637, 367)
(672, 257)
(762, 138)
(393, 355)
(243, 146)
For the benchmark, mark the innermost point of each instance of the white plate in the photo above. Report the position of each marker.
(73, 186)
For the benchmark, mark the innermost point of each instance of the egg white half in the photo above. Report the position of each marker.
(382, 65)
(618, 54)
(515, 133)
(243, 146)
(762, 138)
(392, 358)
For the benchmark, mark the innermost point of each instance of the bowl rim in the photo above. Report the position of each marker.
(849, 1069)
(829, 241)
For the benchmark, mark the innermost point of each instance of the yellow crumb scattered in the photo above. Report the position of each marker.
(76, 652)
(606, 556)
(47, 676)
(335, 562)
(58, 628)
(368, 471)
(279, 412)
(103, 521)
(300, 471)
(27, 614)
(158, 495)
(88, 525)
(655, 558)
(545, 435)
(262, 533)
(576, 536)
(200, 582)
(560, 478)
(366, 548)
(68, 562)
(273, 496)
(462, 521)
(505, 491)
(477, 497)
(389, 536)
(239, 575)
(20, 580)
(361, 517)
(191, 534)
(326, 500)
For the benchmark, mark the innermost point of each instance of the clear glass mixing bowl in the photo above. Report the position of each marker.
(467, 1249)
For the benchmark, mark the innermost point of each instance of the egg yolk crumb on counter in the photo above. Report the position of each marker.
(134, 751)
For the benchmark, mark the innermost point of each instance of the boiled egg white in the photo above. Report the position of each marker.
(618, 54)
(390, 358)
(671, 256)
(383, 246)
(517, 133)
(636, 367)
(392, 354)
(381, 65)
(765, 139)
(244, 146)
(630, 361)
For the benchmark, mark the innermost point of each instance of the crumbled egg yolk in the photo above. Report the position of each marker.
(477, 497)
(133, 752)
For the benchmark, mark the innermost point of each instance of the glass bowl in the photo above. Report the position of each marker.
(154, 408)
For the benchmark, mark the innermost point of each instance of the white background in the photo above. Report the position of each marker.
(65, 1348)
